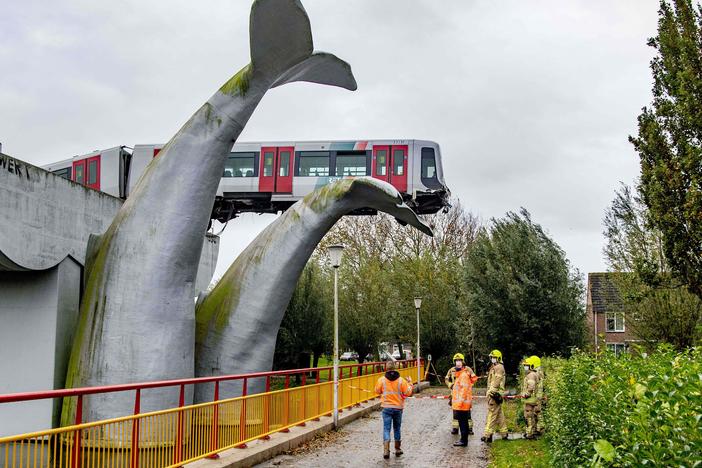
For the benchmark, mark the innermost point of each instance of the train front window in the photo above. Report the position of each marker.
(92, 172)
(314, 163)
(428, 163)
(240, 165)
(284, 164)
(429, 176)
(351, 164)
(268, 164)
(398, 162)
(381, 162)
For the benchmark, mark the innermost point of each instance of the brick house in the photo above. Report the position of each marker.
(605, 315)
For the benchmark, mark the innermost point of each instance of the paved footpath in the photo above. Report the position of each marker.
(426, 441)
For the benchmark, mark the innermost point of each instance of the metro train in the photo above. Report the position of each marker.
(269, 177)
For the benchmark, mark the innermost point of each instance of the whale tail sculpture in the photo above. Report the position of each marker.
(137, 318)
(281, 47)
(238, 321)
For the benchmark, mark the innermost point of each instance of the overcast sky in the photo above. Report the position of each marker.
(531, 101)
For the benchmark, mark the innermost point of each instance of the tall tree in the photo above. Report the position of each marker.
(386, 265)
(523, 295)
(658, 308)
(669, 140)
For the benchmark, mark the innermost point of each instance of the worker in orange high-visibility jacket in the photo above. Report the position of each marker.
(393, 390)
(462, 399)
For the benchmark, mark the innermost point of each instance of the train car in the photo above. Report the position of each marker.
(269, 177)
(105, 170)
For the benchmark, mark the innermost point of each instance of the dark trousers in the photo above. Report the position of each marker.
(463, 418)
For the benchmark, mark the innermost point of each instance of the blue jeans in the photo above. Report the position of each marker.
(392, 416)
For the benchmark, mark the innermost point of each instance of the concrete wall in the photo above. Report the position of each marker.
(45, 223)
(38, 312)
(46, 218)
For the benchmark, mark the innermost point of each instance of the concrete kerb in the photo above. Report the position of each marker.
(259, 451)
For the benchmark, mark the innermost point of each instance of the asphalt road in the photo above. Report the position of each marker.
(426, 441)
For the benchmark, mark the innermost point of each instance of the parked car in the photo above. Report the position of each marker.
(347, 356)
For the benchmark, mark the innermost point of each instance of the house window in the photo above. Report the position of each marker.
(614, 321)
(617, 348)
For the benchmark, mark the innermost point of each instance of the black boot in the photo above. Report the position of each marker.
(454, 430)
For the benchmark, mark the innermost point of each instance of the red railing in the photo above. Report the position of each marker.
(345, 371)
(75, 434)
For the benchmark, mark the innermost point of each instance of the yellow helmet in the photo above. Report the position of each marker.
(495, 353)
(458, 356)
(535, 361)
(528, 362)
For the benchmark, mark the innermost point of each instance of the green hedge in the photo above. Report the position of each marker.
(631, 410)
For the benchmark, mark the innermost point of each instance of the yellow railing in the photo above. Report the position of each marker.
(181, 435)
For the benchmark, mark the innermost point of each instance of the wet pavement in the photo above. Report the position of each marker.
(426, 441)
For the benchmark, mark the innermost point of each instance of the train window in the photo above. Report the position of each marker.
(284, 164)
(381, 162)
(65, 173)
(92, 172)
(240, 165)
(398, 162)
(79, 173)
(268, 163)
(351, 164)
(314, 163)
(428, 163)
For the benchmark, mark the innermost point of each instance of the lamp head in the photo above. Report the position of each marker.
(417, 302)
(335, 252)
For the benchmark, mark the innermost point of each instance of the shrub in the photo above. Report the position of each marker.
(648, 407)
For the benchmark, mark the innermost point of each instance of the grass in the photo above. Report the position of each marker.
(514, 416)
(519, 453)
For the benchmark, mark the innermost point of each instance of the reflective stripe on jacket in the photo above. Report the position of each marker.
(462, 393)
(393, 392)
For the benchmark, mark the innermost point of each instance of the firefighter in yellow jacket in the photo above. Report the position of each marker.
(495, 393)
(540, 396)
(462, 399)
(530, 386)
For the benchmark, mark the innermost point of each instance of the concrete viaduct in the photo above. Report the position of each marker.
(45, 224)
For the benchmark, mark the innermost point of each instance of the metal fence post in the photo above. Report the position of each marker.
(242, 416)
(77, 455)
(178, 449)
(214, 437)
(135, 430)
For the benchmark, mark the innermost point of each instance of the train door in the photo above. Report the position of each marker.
(398, 168)
(79, 171)
(381, 162)
(92, 172)
(276, 169)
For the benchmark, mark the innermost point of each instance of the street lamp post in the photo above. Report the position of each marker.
(417, 305)
(335, 252)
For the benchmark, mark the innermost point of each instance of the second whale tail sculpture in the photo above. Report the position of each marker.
(238, 321)
(137, 319)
